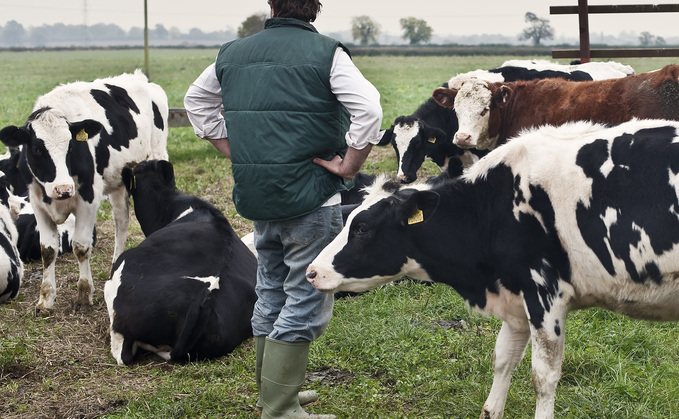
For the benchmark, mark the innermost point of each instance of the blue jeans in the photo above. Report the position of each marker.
(288, 308)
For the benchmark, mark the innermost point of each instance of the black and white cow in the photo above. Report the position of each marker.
(9, 165)
(75, 145)
(429, 131)
(11, 266)
(187, 292)
(595, 70)
(557, 219)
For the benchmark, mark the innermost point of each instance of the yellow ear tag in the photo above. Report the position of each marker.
(81, 135)
(432, 140)
(417, 217)
(133, 183)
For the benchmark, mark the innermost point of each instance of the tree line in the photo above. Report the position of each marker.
(14, 34)
(364, 31)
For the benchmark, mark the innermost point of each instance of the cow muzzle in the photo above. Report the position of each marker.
(319, 281)
(403, 178)
(63, 191)
(463, 140)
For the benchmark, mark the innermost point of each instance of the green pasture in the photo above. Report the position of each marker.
(401, 351)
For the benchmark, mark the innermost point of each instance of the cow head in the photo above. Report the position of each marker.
(150, 184)
(474, 103)
(47, 139)
(374, 246)
(414, 140)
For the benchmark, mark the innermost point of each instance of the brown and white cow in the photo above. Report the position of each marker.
(490, 113)
(556, 220)
(73, 149)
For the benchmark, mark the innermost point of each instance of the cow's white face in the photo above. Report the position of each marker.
(472, 106)
(49, 149)
(403, 138)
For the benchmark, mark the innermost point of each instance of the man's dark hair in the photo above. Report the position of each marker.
(305, 10)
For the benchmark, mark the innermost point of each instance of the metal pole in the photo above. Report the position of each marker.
(584, 31)
(146, 39)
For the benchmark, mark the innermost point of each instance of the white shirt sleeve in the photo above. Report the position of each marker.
(361, 99)
(203, 104)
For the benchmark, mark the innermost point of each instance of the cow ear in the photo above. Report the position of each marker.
(167, 170)
(13, 136)
(84, 130)
(433, 135)
(418, 208)
(386, 136)
(502, 95)
(128, 179)
(445, 96)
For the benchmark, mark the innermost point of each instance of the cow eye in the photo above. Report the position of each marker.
(485, 111)
(361, 229)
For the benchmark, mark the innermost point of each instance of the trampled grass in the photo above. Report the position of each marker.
(406, 350)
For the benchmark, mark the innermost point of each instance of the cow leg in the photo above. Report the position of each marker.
(120, 203)
(547, 348)
(117, 342)
(49, 249)
(82, 249)
(510, 347)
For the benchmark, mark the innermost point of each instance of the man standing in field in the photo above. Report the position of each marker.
(301, 121)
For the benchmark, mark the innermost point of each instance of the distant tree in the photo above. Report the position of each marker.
(159, 32)
(416, 30)
(252, 25)
(13, 33)
(646, 39)
(364, 29)
(109, 31)
(538, 30)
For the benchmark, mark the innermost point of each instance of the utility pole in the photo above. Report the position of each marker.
(146, 39)
(85, 40)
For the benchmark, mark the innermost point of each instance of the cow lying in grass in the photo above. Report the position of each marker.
(188, 290)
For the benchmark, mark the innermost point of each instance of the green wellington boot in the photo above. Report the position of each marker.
(282, 375)
(304, 397)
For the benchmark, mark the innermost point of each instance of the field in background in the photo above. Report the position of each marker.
(405, 350)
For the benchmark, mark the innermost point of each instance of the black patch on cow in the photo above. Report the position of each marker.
(157, 117)
(81, 165)
(638, 190)
(13, 278)
(118, 106)
(511, 73)
(39, 159)
(550, 260)
(518, 193)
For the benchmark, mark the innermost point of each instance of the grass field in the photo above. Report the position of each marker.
(401, 351)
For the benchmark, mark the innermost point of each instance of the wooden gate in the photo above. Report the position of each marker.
(585, 53)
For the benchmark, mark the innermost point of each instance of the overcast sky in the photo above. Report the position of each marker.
(446, 17)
